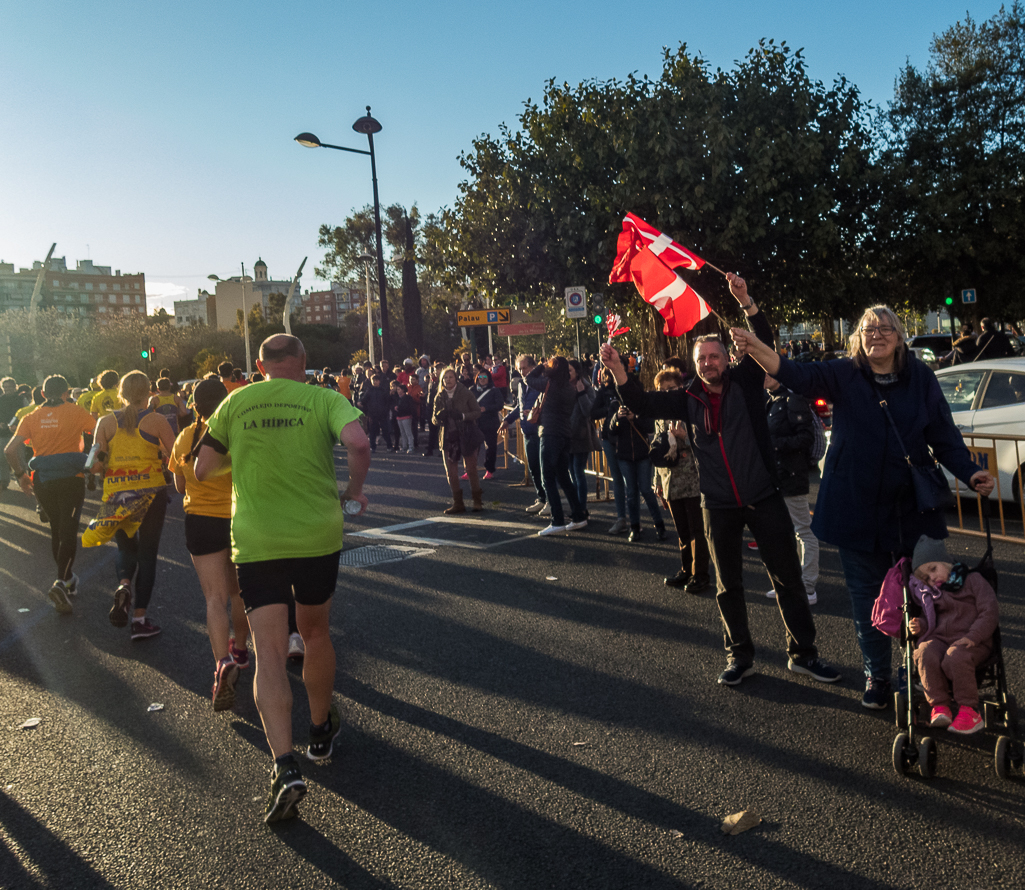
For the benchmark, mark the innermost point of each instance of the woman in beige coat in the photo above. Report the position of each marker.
(455, 414)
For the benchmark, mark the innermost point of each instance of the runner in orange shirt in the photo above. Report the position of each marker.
(55, 430)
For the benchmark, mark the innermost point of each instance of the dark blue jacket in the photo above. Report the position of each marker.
(866, 501)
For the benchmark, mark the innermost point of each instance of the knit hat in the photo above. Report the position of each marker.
(928, 550)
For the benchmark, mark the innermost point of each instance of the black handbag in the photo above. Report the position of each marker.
(658, 454)
(930, 485)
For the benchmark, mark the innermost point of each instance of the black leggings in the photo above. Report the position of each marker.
(62, 500)
(139, 552)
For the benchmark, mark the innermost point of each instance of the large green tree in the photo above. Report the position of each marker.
(759, 169)
(951, 214)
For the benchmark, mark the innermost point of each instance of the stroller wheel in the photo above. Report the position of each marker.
(900, 705)
(927, 758)
(1002, 757)
(902, 754)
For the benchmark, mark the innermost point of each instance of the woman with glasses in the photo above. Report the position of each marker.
(866, 505)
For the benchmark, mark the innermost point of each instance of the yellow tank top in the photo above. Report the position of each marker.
(165, 399)
(133, 460)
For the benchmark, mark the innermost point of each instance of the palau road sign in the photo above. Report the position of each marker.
(525, 329)
(968, 295)
(476, 317)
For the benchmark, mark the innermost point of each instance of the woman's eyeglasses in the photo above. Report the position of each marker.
(883, 330)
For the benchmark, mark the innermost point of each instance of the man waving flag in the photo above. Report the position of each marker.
(647, 257)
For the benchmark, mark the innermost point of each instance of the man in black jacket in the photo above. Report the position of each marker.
(792, 433)
(724, 408)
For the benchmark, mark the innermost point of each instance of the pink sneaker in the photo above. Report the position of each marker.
(239, 656)
(489, 475)
(940, 717)
(967, 721)
(465, 476)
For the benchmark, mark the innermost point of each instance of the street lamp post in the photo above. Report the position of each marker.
(367, 259)
(245, 319)
(369, 126)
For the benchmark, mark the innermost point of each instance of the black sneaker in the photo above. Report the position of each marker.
(122, 605)
(815, 668)
(734, 673)
(660, 532)
(878, 694)
(143, 628)
(322, 739)
(698, 584)
(286, 790)
(680, 579)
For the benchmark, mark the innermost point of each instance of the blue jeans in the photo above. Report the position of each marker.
(637, 475)
(578, 473)
(555, 473)
(618, 485)
(864, 571)
(532, 445)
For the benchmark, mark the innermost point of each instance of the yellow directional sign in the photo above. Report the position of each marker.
(476, 317)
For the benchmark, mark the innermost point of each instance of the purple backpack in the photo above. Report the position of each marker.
(888, 610)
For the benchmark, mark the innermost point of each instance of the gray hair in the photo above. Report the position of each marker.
(709, 338)
(856, 342)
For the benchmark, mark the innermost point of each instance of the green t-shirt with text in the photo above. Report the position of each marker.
(284, 499)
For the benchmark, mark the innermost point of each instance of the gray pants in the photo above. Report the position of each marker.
(808, 544)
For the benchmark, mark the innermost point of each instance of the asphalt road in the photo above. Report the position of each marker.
(518, 713)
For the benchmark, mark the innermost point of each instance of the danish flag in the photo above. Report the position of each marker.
(647, 257)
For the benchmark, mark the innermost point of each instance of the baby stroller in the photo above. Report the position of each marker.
(997, 706)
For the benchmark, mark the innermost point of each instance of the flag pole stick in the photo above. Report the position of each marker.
(716, 268)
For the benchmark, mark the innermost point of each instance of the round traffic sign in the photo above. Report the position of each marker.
(576, 298)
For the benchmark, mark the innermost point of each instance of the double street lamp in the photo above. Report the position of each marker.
(369, 126)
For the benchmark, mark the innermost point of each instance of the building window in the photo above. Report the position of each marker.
(103, 286)
(136, 286)
(117, 287)
(102, 309)
(111, 297)
(137, 298)
(88, 285)
(56, 282)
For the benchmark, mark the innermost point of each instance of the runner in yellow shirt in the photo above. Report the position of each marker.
(106, 401)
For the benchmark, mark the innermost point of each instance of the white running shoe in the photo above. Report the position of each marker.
(554, 530)
(545, 511)
(575, 526)
(296, 646)
(536, 507)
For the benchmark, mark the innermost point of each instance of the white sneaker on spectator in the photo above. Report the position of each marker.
(536, 507)
(554, 530)
(546, 510)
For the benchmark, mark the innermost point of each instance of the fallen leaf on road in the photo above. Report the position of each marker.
(579, 744)
(24, 610)
(739, 822)
(31, 723)
(676, 833)
(156, 706)
(551, 578)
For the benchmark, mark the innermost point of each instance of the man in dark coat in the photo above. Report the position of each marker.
(724, 408)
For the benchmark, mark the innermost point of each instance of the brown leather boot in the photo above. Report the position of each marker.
(478, 506)
(457, 504)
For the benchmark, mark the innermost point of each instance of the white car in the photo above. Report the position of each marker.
(987, 398)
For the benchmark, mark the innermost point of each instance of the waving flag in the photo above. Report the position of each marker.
(647, 258)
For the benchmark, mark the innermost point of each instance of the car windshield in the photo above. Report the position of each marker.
(959, 388)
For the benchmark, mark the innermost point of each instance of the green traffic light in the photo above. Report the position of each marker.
(950, 301)
(145, 353)
(379, 332)
(597, 319)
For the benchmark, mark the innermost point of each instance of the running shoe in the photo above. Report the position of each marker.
(815, 668)
(72, 585)
(286, 790)
(554, 530)
(322, 738)
(618, 527)
(296, 646)
(465, 476)
(143, 629)
(225, 678)
(545, 512)
(734, 673)
(940, 717)
(575, 526)
(536, 507)
(878, 694)
(488, 474)
(966, 722)
(59, 597)
(239, 656)
(122, 605)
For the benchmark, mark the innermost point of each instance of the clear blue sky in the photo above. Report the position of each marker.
(157, 138)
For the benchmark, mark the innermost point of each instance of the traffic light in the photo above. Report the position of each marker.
(153, 353)
(949, 301)
(599, 308)
(144, 350)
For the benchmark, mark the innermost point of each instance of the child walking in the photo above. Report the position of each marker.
(957, 641)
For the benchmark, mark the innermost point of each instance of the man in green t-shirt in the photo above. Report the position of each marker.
(286, 536)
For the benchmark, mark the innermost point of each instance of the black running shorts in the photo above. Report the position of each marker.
(207, 534)
(311, 580)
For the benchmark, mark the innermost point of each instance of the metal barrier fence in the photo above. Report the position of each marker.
(1003, 461)
(597, 465)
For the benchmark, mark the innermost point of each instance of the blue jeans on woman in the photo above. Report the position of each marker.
(637, 475)
(555, 473)
(618, 485)
(864, 571)
(578, 473)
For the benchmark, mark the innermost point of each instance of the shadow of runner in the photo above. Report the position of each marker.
(309, 844)
(49, 856)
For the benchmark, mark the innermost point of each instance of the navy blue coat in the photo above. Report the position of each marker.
(866, 501)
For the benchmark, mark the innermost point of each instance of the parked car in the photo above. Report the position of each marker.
(930, 348)
(988, 398)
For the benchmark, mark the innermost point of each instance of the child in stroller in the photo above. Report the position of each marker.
(954, 636)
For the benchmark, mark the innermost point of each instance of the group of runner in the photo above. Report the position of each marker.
(272, 561)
